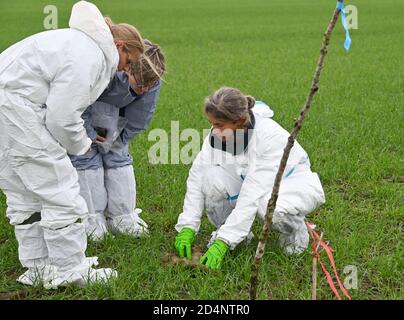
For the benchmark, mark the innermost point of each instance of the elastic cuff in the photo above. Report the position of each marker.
(231, 247)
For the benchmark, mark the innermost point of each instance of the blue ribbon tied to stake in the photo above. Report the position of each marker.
(347, 43)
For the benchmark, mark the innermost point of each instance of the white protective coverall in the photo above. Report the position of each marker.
(234, 188)
(46, 82)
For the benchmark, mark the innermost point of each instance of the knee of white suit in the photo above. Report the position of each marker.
(78, 211)
(300, 194)
(219, 184)
(68, 207)
(32, 249)
(21, 204)
(50, 176)
(59, 200)
(221, 191)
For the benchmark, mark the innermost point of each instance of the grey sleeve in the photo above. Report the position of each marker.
(139, 113)
(92, 134)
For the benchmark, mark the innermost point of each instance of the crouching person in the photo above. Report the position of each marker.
(233, 175)
(106, 175)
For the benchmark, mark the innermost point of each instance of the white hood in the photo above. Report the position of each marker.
(87, 18)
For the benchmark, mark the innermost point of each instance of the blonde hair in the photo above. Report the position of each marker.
(151, 66)
(128, 34)
(229, 104)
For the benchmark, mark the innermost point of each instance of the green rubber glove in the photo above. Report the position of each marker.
(184, 241)
(215, 254)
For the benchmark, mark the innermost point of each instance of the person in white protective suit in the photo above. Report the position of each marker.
(46, 82)
(233, 175)
(106, 174)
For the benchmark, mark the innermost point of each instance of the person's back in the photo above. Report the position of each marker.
(28, 68)
(62, 71)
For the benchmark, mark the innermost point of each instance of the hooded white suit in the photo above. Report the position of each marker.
(46, 82)
(235, 188)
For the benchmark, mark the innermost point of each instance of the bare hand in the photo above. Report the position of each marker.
(100, 139)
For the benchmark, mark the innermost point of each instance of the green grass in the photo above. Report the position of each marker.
(269, 49)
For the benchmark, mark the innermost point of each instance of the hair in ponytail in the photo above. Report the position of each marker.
(250, 102)
(229, 104)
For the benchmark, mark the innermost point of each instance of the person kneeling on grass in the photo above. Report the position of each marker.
(233, 175)
(106, 176)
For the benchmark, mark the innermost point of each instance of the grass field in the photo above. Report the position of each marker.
(268, 49)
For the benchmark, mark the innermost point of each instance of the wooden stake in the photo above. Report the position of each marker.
(314, 279)
(298, 124)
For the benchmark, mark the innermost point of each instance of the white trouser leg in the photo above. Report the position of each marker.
(22, 204)
(32, 252)
(92, 189)
(121, 214)
(38, 165)
(62, 256)
(66, 249)
(221, 190)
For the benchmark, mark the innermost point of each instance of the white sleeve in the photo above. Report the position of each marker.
(258, 183)
(194, 199)
(69, 96)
